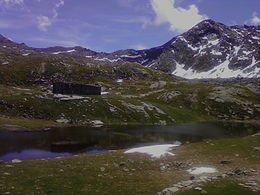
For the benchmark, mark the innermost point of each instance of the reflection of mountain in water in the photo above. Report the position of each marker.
(78, 139)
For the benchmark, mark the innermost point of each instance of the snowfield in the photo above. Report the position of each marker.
(155, 151)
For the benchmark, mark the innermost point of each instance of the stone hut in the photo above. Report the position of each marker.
(76, 89)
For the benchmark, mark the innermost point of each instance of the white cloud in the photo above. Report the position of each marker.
(60, 3)
(43, 23)
(255, 20)
(12, 2)
(180, 19)
(7, 4)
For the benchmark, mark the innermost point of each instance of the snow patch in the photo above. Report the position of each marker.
(220, 71)
(247, 52)
(59, 52)
(25, 54)
(127, 56)
(201, 170)
(107, 60)
(254, 37)
(155, 151)
(214, 52)
(73, 50)
(236, 49)
(214, 42)
(119, 80)
(97, 123)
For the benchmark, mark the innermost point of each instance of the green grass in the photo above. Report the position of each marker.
(223, 187)
(26, 124)
(137, 175)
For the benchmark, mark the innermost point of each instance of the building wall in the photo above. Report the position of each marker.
(77, 89)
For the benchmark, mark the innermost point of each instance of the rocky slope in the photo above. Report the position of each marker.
(208, 50)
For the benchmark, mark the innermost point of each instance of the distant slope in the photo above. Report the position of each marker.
(208, 50)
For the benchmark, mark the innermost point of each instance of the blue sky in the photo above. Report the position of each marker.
(109, 25)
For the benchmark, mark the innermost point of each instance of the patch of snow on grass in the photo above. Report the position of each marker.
(97, 123)
(26, 54)
(201, 170)
(104, 93)
(155, 151)
(127, 56)
(107, 60)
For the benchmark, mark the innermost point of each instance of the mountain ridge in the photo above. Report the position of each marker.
(208, 50)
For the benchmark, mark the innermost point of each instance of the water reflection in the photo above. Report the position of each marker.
(72, 140)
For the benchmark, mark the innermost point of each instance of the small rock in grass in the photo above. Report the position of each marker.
(204, 192)
(257, 148)
(198, 188)
(122, 164)
(224, 162)
(16, 161)
(171, 190)
(7, 193)
(192, 177)
(102, 169)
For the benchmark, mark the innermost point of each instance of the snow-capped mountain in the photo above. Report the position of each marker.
(208, 50)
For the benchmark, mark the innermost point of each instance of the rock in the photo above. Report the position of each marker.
(97, 123)
(198, 188)
(63, 120)
(251, 183)
(257, 148)
(224, 162)
(192, 177)
(6, 174)
(169, 191)
(102, 169)
(6, 193)
(1, 162)
(204, 192)
(238, 171)
(187, 183)
(122, 164)
(16, 161)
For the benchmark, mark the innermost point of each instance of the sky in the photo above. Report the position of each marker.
(110, 25)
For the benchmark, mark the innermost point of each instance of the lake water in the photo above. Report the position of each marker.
(74, 140)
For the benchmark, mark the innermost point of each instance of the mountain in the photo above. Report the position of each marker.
(208, 50)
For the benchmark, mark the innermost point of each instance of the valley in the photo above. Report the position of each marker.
(200, 90)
